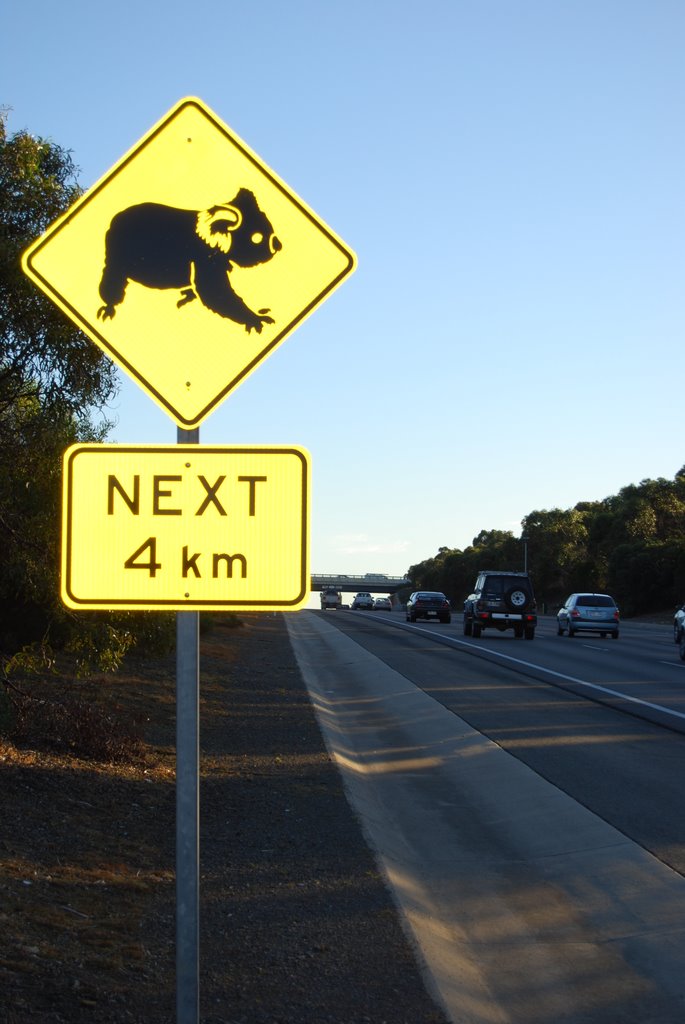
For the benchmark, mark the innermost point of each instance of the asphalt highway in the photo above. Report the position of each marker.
(642, 668)
(525, 799)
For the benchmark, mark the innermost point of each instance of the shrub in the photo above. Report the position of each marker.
(71, 724)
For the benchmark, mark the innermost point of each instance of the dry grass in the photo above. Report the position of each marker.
(296, 925)
(82, 869)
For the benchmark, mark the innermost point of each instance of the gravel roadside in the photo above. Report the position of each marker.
(297, 925)
(303, 929)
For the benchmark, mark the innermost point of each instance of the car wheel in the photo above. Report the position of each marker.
(468, 627)
(560, 629)
(571, 632)
(529, 633)
(682, 647)
(518, 631)
(614, 636)
(603, 636)
(445, 618)
(676, 633)
(476, 630)
(412, 617)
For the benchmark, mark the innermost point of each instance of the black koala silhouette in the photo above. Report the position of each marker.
(194, 251)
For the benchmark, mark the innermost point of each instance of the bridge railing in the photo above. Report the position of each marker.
(371, 582)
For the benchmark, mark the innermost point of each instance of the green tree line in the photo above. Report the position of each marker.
(630, 545)
(55, 387)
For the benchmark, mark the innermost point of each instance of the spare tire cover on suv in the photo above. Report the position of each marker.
(517, 598)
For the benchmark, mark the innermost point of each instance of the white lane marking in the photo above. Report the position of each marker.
(551, 672)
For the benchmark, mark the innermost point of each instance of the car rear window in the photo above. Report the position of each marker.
(497, 585)
(596, 601)
(493, 587)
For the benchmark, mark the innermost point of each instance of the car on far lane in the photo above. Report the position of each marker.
(382, 604)
(679, 623)
(589, 613)
(428, 604)
(501, 600)
(330, 598)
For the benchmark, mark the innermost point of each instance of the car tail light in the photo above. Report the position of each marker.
(575, 614)
(616, 616)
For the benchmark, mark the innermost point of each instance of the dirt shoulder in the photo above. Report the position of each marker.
(297, 926)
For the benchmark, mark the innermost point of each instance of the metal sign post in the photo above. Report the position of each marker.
(188, 805)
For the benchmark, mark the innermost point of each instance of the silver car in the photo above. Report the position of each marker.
(679, 623)
(589, 613)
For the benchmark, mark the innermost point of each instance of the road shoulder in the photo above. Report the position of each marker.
(526, 906)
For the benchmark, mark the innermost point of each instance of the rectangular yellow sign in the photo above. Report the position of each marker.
(185, 527)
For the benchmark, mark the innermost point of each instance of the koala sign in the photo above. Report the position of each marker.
(189, 262)
(188, 250)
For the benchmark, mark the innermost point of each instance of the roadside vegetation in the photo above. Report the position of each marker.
(630, 545)
(55, 389)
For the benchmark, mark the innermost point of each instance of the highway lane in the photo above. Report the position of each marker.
(643, 664)
(521, 694)
(533, 838)
(641, 672)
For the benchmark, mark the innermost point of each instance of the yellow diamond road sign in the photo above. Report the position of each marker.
(189, 262)
(185, 527)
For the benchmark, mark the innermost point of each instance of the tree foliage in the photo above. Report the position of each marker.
(41, 353)
(53, 381)
(631, 544)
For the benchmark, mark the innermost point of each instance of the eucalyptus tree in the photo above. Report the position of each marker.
(55, 387)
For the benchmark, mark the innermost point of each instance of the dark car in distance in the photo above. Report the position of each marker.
(501, 600)
(589, 613)
(428, 604)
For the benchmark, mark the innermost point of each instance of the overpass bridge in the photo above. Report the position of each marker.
(371, 583)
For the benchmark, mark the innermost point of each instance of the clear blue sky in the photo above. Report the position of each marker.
(511, 175)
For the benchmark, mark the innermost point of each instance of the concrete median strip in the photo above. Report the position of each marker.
(526, 908)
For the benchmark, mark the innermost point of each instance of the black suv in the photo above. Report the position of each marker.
(501, 600)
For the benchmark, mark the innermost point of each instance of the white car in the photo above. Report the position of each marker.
(679, 623)
(362, 601)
